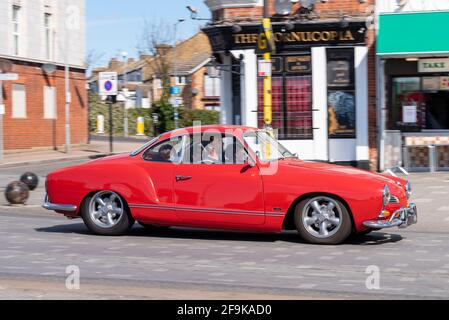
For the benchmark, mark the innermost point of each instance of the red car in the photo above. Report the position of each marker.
(228, 177)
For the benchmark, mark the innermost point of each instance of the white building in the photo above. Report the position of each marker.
(37, 39)
(413, 83)
(41, 30)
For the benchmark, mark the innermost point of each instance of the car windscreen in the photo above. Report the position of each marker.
(146, 145)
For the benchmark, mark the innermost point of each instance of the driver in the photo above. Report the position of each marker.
(165, 153)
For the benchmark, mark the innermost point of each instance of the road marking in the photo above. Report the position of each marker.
(392, 289)
(427, 260)
(423, 200)
(217, 274)
(254, 268)
(270, 260)
(223, 280)
(283, 255)
(362, 258)
(289, 277)
(402, 265)
(407, 279)
(439, 271)
(306, 286)
(205, 266)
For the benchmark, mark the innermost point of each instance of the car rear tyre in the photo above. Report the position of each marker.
(323, 220)
(106, 213)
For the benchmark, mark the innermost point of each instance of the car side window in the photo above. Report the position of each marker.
(166, 151)
(214, 148)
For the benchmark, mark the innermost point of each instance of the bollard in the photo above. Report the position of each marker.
(17, 192)
(140, 126)
(30, 179)
(100, 124)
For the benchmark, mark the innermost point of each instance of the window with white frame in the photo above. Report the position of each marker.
(16, 12)
(211, 86)
(19, 109)
(48, 30)
(157, 83)
(181, 81)
(50, 103)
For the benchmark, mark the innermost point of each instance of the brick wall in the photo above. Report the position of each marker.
(34, 131)
(333, 8)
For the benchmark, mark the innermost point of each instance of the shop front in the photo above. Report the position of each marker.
(319, 86)
(414, 68)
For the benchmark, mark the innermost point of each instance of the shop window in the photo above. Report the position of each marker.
(419, 103)
(292, 97)
(341, 93)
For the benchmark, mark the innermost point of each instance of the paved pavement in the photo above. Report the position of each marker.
(99, 147)
(37, 246)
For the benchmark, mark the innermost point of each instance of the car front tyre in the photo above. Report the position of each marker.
(323, 220)
(106, 213)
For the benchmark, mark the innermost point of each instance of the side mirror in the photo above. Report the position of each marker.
(250, 162)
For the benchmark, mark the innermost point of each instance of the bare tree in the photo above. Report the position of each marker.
(92, 59)
(157, 39)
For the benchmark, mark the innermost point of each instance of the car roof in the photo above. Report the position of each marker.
(206, 128)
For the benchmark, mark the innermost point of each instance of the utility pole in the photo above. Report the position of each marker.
(175, 73)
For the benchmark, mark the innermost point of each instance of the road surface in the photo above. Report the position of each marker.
(38, 246)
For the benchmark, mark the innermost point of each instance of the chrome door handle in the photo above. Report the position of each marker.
(182, 178)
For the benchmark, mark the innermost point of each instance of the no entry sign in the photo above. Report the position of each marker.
(108, 83)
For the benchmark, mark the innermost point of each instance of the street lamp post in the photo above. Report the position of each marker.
(125, 93)
(68, 97)
(267, 83)
(175, 71)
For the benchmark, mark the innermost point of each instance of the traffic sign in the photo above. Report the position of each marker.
(9, 76)
(264, 68)
(108, 83)
(175, 90)
(176, 101)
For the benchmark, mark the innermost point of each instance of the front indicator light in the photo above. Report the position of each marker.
(385, 214)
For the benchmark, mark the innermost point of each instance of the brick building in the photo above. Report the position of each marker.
(37, 38)
(143, 76)
(324, 80)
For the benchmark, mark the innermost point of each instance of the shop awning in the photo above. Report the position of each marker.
(413, 33)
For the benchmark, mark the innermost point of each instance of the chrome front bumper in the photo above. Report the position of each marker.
(58, 207)
(401, 218)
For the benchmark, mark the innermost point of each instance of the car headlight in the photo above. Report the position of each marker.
(386, 195)
(408, 189)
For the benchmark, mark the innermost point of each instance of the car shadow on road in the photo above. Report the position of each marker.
(375, 238)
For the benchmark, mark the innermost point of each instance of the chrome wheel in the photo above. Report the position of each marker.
(322, 217)
(106, 209)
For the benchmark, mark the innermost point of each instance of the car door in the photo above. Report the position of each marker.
(215, 186)
(157, 164)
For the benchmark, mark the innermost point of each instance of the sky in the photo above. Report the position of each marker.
(114, 26)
